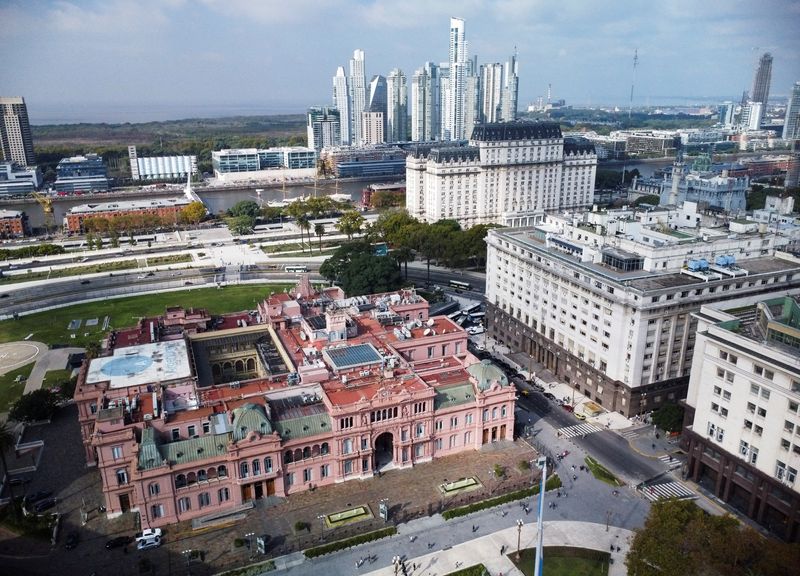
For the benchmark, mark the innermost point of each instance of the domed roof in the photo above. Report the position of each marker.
(250, 418)
(486, 373)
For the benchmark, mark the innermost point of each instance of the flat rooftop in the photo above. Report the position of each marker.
(141, 365)
(129, 205)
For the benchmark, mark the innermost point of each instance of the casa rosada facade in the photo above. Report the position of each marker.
(188, 416)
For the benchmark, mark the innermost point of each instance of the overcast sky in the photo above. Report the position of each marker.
(153, 59)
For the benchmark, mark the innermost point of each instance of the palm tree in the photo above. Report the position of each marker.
(304, 224)
(7, 441)
(319, 231)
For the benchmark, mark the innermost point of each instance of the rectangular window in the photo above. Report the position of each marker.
(420, 430)
(324, 471)
(347, 446)
(184, 504)
(290, 479)
(154, 489)
(206, 427)
(753, 455)
(419, 450)
(438, 443)
(268, 464)
(791, 474)
(468, 418)
(439, 425)
(726, 395)
(403, 435)
(223, 494)
(307, 475)
(122, 476)
(192, 431)
(157, 510)
(364, 443)
(454, 422)
(765, 393)
(785, 444)
(203, 499)
(348, 466)
(717, 390)
(116, 452)
(743, 447)
(176, 434)
(467, 437)
(780, 470)
(762, 412)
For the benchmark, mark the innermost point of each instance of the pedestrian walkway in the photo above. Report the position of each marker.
(670, 461)
(486, 549)
(631, 433)
(666, 490)
(578, 430)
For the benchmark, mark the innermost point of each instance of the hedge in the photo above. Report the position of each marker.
(552, 483)
(477, 570)
(349, 542)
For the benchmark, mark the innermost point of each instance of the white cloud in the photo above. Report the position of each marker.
(277, 11)
(113, 18)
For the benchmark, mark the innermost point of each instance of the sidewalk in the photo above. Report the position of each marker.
(486, 549)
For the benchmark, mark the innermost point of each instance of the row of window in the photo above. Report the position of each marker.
(190, 478)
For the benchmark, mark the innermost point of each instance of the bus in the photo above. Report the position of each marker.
(296, 268)
(459, 285)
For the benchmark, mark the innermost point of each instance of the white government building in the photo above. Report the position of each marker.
(743, 407)
(510, 173)
(604, 300)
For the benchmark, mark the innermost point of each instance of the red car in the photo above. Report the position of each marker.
(568, 407)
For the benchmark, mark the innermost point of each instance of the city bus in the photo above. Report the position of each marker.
(296, 268)
(459, 285)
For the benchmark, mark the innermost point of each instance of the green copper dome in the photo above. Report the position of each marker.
(486, 373)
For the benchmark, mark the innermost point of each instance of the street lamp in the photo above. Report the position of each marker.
(608, 518)
(519, 536)
(322, 525)
(537, 569)
(249, 537)
(188, 555)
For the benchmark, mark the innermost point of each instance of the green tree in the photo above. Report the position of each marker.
(358, 271)
(193, 212)
(669, 417)
(33, 406)
(241, 224)
(403, 255)
(245, 208)
(7, 442)
(350, 223)
(679, 538)
(319, 231)
(92, 350)
(304, 223)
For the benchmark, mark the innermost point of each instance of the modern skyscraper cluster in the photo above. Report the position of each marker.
(447, 99)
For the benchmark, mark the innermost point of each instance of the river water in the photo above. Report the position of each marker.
(220, 200)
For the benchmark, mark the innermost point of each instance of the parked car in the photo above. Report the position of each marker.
(568, 407)
(45, 504)
(86, 281)
(19, 481)
(549, 396)
(148, 533)
(118, 542)
(148, 543)
(72, 540)
(580, 416)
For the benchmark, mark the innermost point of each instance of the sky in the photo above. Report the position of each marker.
(138, 60)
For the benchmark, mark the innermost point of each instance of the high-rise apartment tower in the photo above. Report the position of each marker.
(791, 125)
(396, 106)
(358, 92)
(761, 82)
(15, 131)
(341, 99)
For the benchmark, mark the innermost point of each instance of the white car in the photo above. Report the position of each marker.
(147, 543)
(148, 533)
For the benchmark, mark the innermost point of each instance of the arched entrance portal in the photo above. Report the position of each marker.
(384, 450)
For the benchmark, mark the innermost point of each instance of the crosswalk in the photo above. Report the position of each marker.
(666, 490)
(632, 433)
(670, 461)
(578, 430)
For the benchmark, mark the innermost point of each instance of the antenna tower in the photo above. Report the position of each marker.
(633, 81)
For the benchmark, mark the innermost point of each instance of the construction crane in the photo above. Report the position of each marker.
(46, 202)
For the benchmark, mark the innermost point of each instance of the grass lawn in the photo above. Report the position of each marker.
(600, 472)
(51, 327)
(563, 561)
(10, 391)
(172, 259)
(55, 377)
(65, 272)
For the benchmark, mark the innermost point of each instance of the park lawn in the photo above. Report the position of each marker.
(477, 570)
(560, 561)
(11, 391)
(54, 377)
(51, 326)
(74, 271)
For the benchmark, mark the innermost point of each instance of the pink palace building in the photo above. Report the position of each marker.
(188, 416)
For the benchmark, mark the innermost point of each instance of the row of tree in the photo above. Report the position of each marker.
(358, 270)
(31, 251)
(143, 222)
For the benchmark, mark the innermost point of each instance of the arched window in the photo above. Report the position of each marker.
(243, 470)
(256, 467)
(239, 366)
(180, 481)
(226, 366)
(201, 476)
(268, 465)
(306, 452)
(315, 450)
(251, 365)
(216, 370)
(212, 473)
(298, 455)
(287, 457)
(222, 471)
(324, 449)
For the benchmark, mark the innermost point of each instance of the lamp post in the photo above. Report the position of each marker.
(249, 537)
(188, 555)
(608, 518)
(322, 525)
(519, 536)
